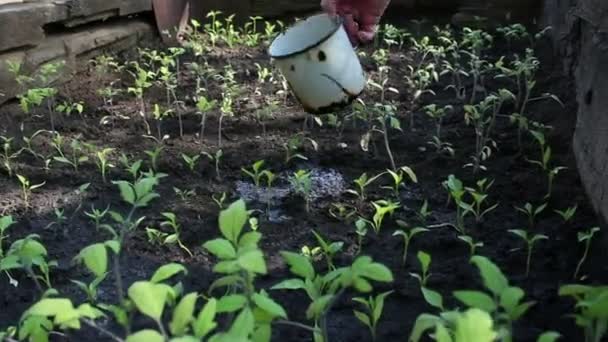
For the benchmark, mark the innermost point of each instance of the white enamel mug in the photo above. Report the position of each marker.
(320, 64)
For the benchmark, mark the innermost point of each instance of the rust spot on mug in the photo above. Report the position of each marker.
(322, 56)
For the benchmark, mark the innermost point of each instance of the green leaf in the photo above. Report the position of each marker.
(379, 307)
(493, 279)
(299, 265)
(475, 325)
(362, 317)
(425, 260)
(126, 191)
(146, 335)
(50, 307)
(423, 323)
(232, 220)
(149, 298)
(377, 272)
(221, 248)
(318, 306)
(549, 336)
(475, 299)
(574, 290)
(432, 297)
(205, 322)
(167, 271)
(95, 257)
(442, 334)
(231, 303)
(510, 297)
(289, 284)
(253, 261)
(250, 239)
(183, 314)
(243, 325)
(269, 305)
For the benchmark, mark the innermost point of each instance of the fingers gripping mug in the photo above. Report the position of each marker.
(320, 64)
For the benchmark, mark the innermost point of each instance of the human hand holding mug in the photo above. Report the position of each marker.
(361, 17)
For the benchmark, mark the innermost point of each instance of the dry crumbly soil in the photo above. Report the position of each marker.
(339, 157)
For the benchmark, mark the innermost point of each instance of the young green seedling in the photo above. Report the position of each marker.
(171, 221)
(382, 208)
(424, 213)
(590, 309)
(373, 311)
(456, 192)
(586, 238)
(398, 179)
(530, 241)
(26, 189)
(480, 195)
(97, 216)
(256, 173)
(184, 194)
(361, 185)
(438, 114)
(329, 249)
(473, 245)
(294, 144)
(8, 155)
(219, 200)
(191, 162)
(69, 108)
(425, 262)
(26, 254)
(407, 234)
(5, 223)
(77, 156)
(301, 182)
(567, 214)
(361, 231)
(216, 159)
(342, 212)
(204, 106)
(531, 212)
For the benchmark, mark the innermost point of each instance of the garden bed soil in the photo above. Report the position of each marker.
(339, 155)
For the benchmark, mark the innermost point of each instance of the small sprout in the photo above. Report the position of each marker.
(361, 231)
(154, 156)
(362, 183)
(456, 192)
(480, 195)
(530, 241)
(302, 185)
(329, 249)
(408, 235)
(216, 159)
(219, 200)
(97, 216)
(567, 214)
(373, 311)
(382, 208)
(425, 261)
(256, 173)
(342, 212)
(8, 155)
(586, 238)
(27, 187)
(184, 195)
(171, 221)
(531, 212)
(398, 179)
(191, 162)
(473, 245)
(424, 213)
